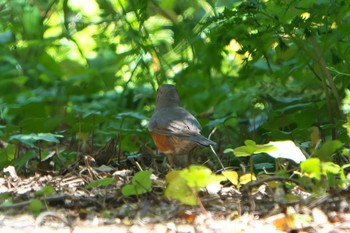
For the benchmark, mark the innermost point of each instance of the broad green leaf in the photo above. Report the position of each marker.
(260, 166)
(143, 178)
(31, 139)
(250, 143)
(183, 185)
(246, 178)
(286, 150)
(172, 175)
(198, 177)
(244, 151)
(179, 189)
(312, 166)
(24, 159)
(141, 183)
(315, 168)
(229, 150)
(35, 206)
(232, 176)
(342, 173)
(327, 150)
(330, 167)
(251, 148)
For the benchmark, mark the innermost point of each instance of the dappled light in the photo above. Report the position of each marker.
(254, 135)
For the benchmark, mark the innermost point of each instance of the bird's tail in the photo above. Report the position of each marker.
(201, 140)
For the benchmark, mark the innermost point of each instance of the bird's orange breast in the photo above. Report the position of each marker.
(163, 143)
(171, 144)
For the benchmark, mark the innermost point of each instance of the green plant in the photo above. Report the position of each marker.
(276, 149)
(140, 183)
(325, 174)
(185, 184)
(100, 183)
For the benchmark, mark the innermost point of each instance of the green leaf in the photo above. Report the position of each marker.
(276, 149)
(251, 148)
(342, 174)
(141, 183)
(183, 185)
(6, 37)
(312, 166)
(135, 115)
(45, 191)
(24, 159)
(260, 166)
(198, 177)
(232, 176)
(286, 150)
(30, 139)
(35, 206)
(5, 199)
(244, 151)
(327, 150)
(330, 168)
(246, 178)
(250, 143)
(178, 189)
(100, 183)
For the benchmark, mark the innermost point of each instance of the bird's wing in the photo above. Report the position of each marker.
(178, 122)
(174, 121)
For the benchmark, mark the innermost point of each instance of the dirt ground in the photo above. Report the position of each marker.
(68, 206)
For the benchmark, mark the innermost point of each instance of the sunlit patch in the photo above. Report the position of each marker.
(334, 25)
(305, 15)
(234, 45)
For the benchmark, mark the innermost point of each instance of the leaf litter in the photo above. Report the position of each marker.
(73, 204)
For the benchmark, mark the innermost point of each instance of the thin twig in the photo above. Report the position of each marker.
(26, 203)
(268, 179)
(212, 149)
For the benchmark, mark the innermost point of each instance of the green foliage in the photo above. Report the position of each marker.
(264, 70)
(24, 159)
(35, 207)
(346, 110)
(32, 139)
(179, 189)
(6, 199)
(324, 171)
(325, 152)
(75, 75)
(45, 191)
(232, 176)
(184, 185)
(276, 149)
(141, 183)
(250, 148)
(100, 183)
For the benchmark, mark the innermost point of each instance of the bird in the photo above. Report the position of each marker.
(175, 131)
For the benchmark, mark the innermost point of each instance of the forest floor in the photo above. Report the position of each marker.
(27, 204)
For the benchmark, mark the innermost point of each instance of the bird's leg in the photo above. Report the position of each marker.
(170, 160)
(189, 159)
(178, 161)
(189, 156)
